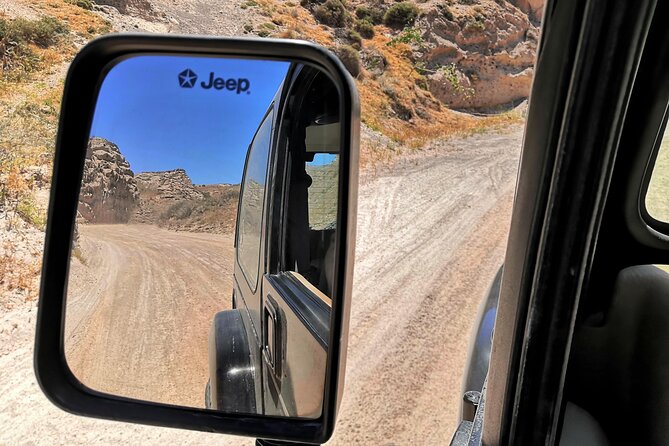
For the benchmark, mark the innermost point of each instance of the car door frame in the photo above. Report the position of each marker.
(587, 58)
(275, 246)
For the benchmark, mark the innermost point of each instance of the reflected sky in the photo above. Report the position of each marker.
(160, 125)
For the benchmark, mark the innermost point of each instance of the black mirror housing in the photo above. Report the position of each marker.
(83, 82)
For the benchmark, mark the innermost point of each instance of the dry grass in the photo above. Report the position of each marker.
(29, 106)
(294, 22)
(401, 85)
(18, 275)
(81, 21)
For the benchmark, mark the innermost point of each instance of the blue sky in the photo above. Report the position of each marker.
(160, 126)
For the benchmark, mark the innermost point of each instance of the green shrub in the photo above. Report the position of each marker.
(350, 58)
(85, 4)
(450, 72)
(409, 35)
(332, 13)
(446, 12)
(474, 25)
(17, 58)
(372, 15)
(355, 38)
(365, 28)
(43, 32)
(30, 213)
(400, 15)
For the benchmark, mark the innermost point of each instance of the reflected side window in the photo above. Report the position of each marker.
(313, 190)
(657, 196)
(252, 203)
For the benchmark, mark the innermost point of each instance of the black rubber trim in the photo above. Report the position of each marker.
(309, 308)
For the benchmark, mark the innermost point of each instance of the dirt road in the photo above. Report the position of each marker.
(431, 235)
(139, 310)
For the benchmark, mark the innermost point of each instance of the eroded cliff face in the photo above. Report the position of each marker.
(168, 185)
(479, 58)
(109, 192)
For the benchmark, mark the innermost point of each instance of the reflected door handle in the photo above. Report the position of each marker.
(271, 342)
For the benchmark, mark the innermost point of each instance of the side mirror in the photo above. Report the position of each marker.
(200, 239)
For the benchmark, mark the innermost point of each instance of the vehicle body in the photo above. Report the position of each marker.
(283, 278)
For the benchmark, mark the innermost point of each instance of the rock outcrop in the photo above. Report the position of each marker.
(479, 58)
(168, 185)
(109, 193)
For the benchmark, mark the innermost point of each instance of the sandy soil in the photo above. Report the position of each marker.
(139, 310)
(431, 235)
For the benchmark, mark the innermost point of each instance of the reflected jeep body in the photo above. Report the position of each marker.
(268, 354)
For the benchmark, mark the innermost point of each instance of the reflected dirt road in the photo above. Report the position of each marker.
(140, 303)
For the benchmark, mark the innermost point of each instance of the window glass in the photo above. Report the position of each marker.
(324, 171)
(657, 197)
(311, 204)
(251, 206)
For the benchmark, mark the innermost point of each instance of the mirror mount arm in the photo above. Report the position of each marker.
(261, 442)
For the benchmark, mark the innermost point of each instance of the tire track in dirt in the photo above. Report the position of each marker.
(154, 296)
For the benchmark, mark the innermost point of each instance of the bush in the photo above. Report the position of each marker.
(409, 35)
(43, 32)
(85, 4)
(446, 12)
(178, 211)
(332, 13)
(350, 58)
(30, 213)
(400, 15)
(17, 58)
(365, 28)
(372, 15)
(355, 38)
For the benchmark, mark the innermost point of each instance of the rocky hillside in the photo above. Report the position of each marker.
(170, 199)
(168, 185)
(418, 64)
(109, 192)
(112, 193)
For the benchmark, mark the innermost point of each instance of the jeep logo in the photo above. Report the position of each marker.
(188, 78)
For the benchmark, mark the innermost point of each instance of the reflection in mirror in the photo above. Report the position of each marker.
(203, 263)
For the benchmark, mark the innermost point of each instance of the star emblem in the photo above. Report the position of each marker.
(187, 78)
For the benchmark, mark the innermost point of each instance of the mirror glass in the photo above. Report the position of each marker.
(203, 263)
